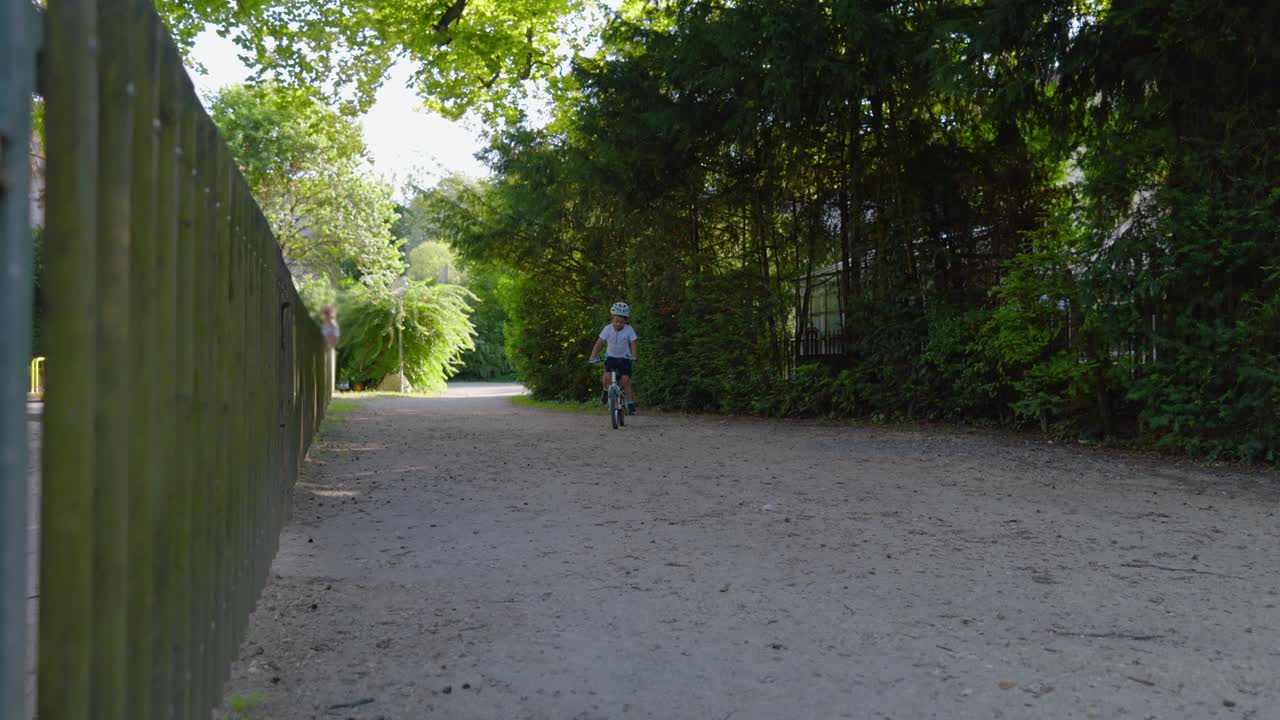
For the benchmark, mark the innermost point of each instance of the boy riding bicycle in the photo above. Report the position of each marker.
(620, 341)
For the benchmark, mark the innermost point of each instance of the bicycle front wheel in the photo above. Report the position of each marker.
(615, 408)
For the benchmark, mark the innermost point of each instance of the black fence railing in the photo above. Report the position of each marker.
(813, 347)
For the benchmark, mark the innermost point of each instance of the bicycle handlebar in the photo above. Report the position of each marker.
(597, 361)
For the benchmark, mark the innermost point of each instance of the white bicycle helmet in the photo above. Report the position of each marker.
(621, 308)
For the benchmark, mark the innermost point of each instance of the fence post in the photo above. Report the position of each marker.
(18, 46)
(66, 562)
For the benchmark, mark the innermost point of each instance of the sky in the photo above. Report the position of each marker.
(406, 141)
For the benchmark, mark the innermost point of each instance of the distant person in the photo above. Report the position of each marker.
(329, 326)
(620, 341)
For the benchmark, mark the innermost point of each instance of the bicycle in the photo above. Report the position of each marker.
(617, 403)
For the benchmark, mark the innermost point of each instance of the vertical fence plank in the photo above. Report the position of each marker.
(253, 326)
(237, 472)
(182, 474)
(167, 519)
(188, 387)
(111, 317)
(142, 402)
(66, 569)
(217, 465)
(285, 397)
(17, 82)
(249, 363)
(210, 444)
(222, 359)
(206, 447)
(266, 409)
(249, 389)
(248, 392)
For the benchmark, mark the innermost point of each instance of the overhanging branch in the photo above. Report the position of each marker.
(451, 15)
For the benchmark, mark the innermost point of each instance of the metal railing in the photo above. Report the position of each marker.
(18, 48)
(186, 379)
(36, 391)
(813, 347)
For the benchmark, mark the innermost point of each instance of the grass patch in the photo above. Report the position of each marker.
(340, 406)
(558, 405)
(243, 706)
(510, 377)
(366, 394)
(337, 412)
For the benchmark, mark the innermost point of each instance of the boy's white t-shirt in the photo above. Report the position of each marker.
(618, 341)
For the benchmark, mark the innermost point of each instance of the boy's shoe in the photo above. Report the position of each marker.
(631, 408)
(604, 397)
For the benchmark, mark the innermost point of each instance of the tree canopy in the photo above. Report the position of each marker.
(1051, 212)
(436, 262)
(469, 54)
(304, 163)
(1061, 213)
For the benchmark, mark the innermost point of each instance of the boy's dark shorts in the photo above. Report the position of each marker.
(622, 365)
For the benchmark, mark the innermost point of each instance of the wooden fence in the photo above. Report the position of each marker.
(185, 382)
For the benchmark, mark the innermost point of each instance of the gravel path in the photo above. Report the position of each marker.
(463, 558)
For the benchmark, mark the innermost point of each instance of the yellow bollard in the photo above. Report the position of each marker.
(37, 386)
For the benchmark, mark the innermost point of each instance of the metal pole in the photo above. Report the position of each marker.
(18, 47)
(400, 337)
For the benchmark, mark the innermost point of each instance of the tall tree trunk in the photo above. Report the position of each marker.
(1101, 396)
(854, 174)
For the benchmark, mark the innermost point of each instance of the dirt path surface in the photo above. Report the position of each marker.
(465, 558)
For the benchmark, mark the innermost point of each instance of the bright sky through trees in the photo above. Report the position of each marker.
(406, 141)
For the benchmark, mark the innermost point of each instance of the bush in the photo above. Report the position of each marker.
(428, 322)
(488, 360)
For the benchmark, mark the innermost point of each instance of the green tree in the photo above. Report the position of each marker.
(455, 210)
(316, 291)
(1054, 213)
(471, 54)
(305, 164)
(1180, 125)
(413, 225)
(488, 360)
(426, 324)
(435, 262)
